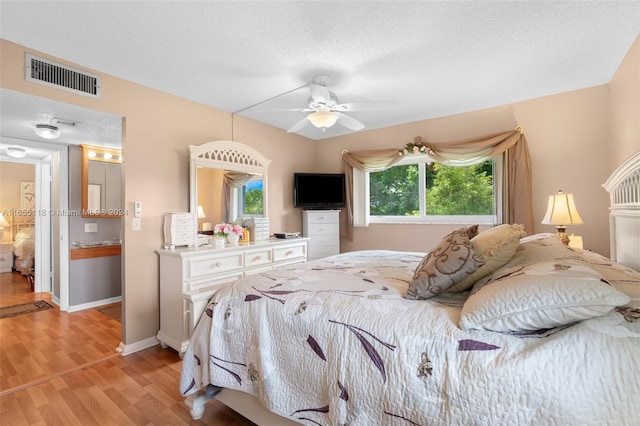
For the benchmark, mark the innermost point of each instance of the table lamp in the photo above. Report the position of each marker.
(561, 211)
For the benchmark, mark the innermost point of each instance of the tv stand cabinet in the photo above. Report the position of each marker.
(323, 229)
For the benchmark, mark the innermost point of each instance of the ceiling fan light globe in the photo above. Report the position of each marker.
(323, 119)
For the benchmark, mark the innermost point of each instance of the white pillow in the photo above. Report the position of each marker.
(539, 296)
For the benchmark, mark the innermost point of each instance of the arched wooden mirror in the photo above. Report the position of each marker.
(228, 181)
(101, 182)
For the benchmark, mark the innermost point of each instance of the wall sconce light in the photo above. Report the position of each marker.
(561, 211)
(47, 131)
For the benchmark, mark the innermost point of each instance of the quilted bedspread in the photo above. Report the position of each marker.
(333, 342)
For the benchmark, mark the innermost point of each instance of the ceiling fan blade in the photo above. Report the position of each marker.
(285, 109)
(367, 106)
(320, 94)
(299, 125)
(349, 122)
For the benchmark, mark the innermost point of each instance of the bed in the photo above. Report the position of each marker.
(24, 249)
(492, 327)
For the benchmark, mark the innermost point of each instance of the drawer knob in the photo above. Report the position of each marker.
(218, 264)
(289, 253)
(257, 258)
(1, 259)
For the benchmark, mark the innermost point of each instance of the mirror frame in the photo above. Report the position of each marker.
(116, 158)
(226, 155)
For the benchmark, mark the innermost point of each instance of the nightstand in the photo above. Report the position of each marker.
(6, 257)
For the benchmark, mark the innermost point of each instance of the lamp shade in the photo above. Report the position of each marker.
(561, 210)
(323, 119)
(201, 213)
(3, 221)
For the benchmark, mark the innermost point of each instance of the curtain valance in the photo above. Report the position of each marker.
(517, 173)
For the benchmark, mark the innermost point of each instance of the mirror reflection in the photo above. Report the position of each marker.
(228, 183)
(225, 195)
(101, 182)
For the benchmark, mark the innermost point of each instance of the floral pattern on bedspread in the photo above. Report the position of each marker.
(334, 342)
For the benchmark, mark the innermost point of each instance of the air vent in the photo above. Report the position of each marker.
(49, 73)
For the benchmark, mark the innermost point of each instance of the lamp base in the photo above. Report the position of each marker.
(562, 234)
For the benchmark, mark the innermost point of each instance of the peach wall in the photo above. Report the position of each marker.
(566, 134)
(158, 129)
(624, 138)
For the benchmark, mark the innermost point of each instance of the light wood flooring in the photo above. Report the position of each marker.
(59, 368)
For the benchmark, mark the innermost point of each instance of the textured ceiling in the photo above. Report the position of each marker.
(432, 59)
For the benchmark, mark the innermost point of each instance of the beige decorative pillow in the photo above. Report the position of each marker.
(496, 246)
(450, 261)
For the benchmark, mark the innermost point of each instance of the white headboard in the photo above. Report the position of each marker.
(624, 213)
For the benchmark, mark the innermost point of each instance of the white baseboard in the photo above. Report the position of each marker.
(95, 304)
(137, 346)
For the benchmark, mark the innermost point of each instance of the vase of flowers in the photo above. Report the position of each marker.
(230, 231)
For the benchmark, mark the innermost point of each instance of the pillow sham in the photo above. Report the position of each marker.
(539, 296)
(449, 262)
(496, 246)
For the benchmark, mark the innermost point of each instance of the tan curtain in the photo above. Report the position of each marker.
(518, 195)
(368, 161)
(231, 180)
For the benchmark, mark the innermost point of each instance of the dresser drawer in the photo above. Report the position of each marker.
(324, 241)
(6, 261)
(211, 265)
(196, 285)
(317, 252)
(321, 217)
(257, 257)
(289, 252)
(322, 229)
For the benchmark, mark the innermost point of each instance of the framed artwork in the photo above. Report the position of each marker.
(27, 195)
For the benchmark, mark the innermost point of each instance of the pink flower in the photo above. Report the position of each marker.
(224, 229)
(415, 149)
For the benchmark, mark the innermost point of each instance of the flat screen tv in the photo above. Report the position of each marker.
(318, 190)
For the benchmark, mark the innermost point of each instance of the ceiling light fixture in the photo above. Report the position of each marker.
(47, 131)
(16, 152)
(323, 119)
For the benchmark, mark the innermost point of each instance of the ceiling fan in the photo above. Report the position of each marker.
(325, 110)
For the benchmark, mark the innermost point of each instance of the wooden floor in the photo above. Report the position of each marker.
(60, 368)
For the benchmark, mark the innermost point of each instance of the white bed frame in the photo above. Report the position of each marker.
(624, 212)
(624, 188)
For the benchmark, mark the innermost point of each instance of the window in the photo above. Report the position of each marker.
(250, 198)
(416, 191)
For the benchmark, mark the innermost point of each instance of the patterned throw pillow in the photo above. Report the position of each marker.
(496, 246)
(450, 261)
(471, 231)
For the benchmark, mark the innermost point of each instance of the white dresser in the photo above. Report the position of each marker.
(323, 229)
(6, 257)
(190, 276)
